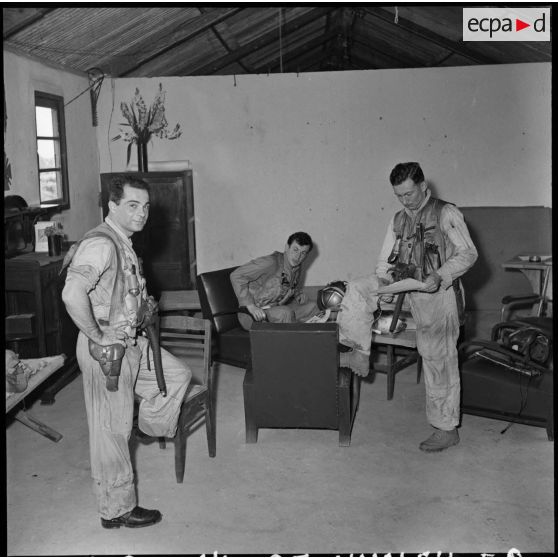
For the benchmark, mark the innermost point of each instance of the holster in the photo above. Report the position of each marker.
(152, 332)
(148, 313)
(148, 320)
(110, 358)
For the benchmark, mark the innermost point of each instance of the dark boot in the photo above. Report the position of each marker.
(138, 517)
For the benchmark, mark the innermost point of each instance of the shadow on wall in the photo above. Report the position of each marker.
(307, 264)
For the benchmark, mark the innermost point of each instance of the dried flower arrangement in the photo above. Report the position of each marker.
(54, 230)
(143, 123)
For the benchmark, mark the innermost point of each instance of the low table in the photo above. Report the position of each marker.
(406, 339)
(53, 364)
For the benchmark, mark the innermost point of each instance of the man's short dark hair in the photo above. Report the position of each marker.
(403, 171)
(301, 238)
(116, 188)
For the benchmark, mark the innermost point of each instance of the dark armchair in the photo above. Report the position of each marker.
(295, 381)
(220, 306)
(510, 377)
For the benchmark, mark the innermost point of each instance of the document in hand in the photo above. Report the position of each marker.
(402, 286)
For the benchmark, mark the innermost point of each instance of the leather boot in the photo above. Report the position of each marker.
(138, 517)
(440, 440)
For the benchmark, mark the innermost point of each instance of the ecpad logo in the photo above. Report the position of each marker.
(506, 24)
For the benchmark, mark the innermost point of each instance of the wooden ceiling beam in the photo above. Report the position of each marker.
(357, 60)
(305, 58)
(419, 31)
(216, 16)
(262, 41)
(225, 43)
(17, 19)
(299, 51)
(405, 61)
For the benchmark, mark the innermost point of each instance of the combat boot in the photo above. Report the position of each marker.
(440, 440)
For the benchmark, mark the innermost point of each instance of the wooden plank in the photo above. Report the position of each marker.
(406, 338)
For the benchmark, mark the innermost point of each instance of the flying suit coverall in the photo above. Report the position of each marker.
(449, 251)
(271, 281)
(110, 414)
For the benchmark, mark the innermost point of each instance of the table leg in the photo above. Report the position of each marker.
(390, 371)
(37, 426)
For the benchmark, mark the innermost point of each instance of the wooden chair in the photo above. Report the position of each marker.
(400, 348)
(405, 343)
(189, 338)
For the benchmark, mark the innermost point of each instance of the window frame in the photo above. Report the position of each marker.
(55, 102)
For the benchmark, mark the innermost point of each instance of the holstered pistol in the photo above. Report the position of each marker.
(110, 358)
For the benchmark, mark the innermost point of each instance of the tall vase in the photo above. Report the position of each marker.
(142, 157)
(54, 245)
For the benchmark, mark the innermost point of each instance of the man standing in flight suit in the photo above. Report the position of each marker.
(431, 235)
(105, 296)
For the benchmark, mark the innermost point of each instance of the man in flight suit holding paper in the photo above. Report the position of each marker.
(431, 235)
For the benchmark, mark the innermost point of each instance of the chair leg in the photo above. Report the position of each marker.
(390, 372)
(419, 368)
(550, 424)
(210, 428)
(180, 453)
(344, 389)
(251, 433)
(249, 405)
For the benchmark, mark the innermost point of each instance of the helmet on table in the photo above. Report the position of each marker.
(331, 295)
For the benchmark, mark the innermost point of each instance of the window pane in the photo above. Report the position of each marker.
(46, 122)
(48, 151)
(51, 149)
(51, 186)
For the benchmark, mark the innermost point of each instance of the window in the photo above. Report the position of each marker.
(51, 149)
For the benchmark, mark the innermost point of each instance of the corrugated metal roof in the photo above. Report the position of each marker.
(198, 40)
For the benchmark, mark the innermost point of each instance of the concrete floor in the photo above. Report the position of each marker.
(295, 491)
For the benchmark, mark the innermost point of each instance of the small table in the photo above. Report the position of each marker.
(176, 301)
(54, 363)
(539, 274)
(406, 339)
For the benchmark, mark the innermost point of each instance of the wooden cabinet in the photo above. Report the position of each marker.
(33, 292)
(167, 244)
(33, 300)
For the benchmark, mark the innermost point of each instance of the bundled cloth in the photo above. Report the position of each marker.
(18, 372)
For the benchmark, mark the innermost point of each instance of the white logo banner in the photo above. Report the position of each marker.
(506, 24)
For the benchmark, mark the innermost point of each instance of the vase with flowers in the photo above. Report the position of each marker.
(143, 123)
(55, 235)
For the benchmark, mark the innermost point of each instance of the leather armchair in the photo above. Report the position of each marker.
(295, 381)
(220, 306)
(501, 381)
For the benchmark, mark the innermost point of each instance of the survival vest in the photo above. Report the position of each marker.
(117, 303)
(420, 241)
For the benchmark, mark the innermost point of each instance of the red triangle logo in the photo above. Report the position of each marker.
(519, 25)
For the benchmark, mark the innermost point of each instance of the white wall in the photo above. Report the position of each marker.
(22, 77)
(279, 153)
